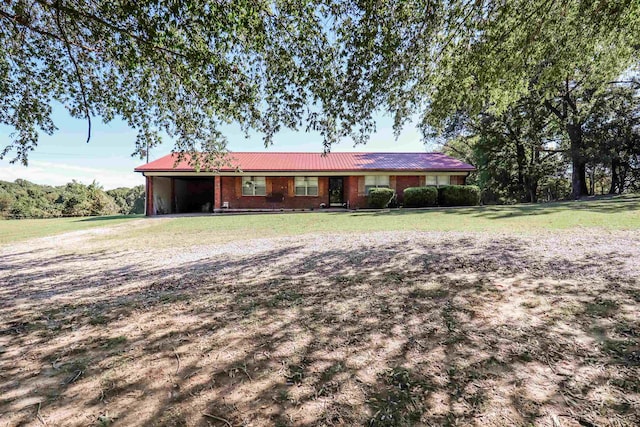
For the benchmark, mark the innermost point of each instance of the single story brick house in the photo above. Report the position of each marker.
(262, 181)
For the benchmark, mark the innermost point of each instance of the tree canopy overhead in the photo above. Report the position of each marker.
(186, 67)
(180, 67)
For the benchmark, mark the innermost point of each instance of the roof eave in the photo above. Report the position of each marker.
(313, 170)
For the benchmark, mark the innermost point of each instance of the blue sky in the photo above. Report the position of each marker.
(65, 155)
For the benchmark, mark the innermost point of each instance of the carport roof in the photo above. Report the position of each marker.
(316, 162)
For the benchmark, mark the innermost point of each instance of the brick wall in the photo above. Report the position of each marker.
(457, 180)
(149, 209)
(232, 193)
(354, 192)
(354, 187)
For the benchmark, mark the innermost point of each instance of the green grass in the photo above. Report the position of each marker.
(23, 229)
(616, 213)
(619, 213)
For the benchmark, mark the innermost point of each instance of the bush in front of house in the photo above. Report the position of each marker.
(459, 195)
(380, 198)
(420, 197)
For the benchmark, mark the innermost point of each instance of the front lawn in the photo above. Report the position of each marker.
(619, 213)
(22, 229)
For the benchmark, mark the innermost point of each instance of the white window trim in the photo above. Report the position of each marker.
(306, 186)
(253, 179)
(378, 184)
(437, 179)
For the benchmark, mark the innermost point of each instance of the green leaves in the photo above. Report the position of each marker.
(181, 68)
(185, 68)
(23, 199)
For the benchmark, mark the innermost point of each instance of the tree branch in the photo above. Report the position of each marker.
(460, 153)
(554, 110)
(77, 70)
(571, 103)
(18, 21)
(62, 8)
(510, 133)
(550, 154)
(632, 82)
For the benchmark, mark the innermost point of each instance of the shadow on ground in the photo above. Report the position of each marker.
(601, 204)
(385, 335)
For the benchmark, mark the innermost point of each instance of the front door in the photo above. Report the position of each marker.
(336, 190)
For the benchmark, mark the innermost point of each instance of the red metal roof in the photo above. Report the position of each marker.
(331, 162)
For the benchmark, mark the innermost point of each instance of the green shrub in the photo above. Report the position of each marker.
(380, 198)
(128, 200)
(419, 197)
(6, 201)
(459, 195)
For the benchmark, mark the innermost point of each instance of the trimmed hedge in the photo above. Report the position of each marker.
(420, 197)
(380, 198)
(459, 195)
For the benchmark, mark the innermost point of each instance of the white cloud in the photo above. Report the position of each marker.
(53, 173)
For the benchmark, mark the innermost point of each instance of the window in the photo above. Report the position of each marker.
(437, 180)
(254, 186)
(306, 185)
(375, 181)
(443, 180)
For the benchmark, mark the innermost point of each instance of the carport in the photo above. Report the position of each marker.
(177, 195)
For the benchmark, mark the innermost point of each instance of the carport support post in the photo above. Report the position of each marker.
(217, 194)
(149, 196)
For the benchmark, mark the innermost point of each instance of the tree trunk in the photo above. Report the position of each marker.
(614, 177)
(578, 164)
(522, 181)
(533, 191)
(534, 176)
(622, 177)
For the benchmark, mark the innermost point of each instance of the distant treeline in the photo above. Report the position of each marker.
(24, 199)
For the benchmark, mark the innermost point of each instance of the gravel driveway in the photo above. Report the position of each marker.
(383, 328)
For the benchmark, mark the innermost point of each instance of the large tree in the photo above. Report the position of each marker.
(612, 138)
(324, 65)
(178, 67)
(513, 151)
(486, 56)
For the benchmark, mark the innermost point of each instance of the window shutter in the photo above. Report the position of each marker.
(238, 186)
(291, 187)
(392, 183)
(322, 187)
(423, 180)
(361, 186)
(269, 185)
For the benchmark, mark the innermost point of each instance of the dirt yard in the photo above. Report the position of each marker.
(385, 328)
